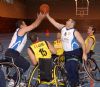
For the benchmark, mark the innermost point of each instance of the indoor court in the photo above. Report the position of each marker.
(84, 13)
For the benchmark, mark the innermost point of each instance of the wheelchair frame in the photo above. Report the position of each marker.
(8, 68)
(56, 79)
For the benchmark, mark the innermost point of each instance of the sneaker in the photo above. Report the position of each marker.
(17, 86)
(79, 85)
(11, 83)
(22, 84)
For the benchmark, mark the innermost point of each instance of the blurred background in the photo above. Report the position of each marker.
(61, 10)
(13, 10)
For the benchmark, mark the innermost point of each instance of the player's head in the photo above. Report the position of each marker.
(21, 24)
(91, 29)
(58, 35)
(70, 23)
(33, 37)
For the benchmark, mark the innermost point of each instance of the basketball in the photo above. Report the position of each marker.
(44, 8)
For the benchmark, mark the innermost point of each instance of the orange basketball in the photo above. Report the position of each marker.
(44, 8)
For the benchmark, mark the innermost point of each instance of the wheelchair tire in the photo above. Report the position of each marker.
(60, 76)
(9, 70)
(92, 69)
(96, 70)
(33, 81)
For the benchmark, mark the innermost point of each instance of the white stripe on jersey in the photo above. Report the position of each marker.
(18, 42)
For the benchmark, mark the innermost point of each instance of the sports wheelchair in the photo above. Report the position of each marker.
(88, 70)
(47, 72)
(92, 69)
(51, 72)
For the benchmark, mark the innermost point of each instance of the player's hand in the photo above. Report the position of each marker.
(84, 57)
(47, 14)
(41, 16)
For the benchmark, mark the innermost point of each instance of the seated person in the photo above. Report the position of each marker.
(72, 41)
(41, 50)
(90, 41)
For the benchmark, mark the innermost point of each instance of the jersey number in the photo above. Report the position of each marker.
(43, 52)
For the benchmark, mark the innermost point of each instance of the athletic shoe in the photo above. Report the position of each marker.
(22, 84)
(10, 83)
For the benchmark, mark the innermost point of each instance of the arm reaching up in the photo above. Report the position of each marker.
(56, 24)
(35, 24)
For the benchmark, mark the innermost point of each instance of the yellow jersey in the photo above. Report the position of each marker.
(58, 46)
(40, 50)
(94, 41)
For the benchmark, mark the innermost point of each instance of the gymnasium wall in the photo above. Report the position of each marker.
(81, 25)
(16, 10)
(61, 11)
(8, 25)
(10, 13)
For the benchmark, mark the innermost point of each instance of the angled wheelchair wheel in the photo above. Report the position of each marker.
(10, 71)
(60, 76)
(33, 79)
(83, 79)
(61, 60)
(92, 69)
(95, 73)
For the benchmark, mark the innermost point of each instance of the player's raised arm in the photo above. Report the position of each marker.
(55, 23)
(35, 24)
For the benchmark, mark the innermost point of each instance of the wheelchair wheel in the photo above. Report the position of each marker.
(10, 70)
(33, 79)
(95, 70)
(92, 69)
(83, 79)
(61, 60)
(60, 76)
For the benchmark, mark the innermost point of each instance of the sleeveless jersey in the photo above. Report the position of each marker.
(68, 39)
(18, 42)
(41, 50)
(94, 41)
(58, 47)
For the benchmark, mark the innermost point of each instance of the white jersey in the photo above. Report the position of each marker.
(18, 42)
(68, 39)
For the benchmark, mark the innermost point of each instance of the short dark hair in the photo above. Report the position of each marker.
(93, 28)
(19, 23)
(33, 36)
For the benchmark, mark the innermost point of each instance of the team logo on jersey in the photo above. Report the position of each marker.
(16, 44)
(67, 34)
